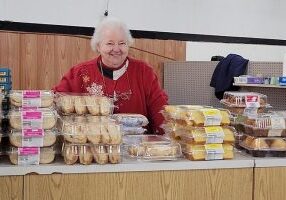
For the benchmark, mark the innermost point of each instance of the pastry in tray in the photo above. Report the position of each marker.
(244, 99)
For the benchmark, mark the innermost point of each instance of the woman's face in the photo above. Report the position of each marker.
(113, 47)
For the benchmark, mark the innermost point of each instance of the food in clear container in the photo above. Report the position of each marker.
(31, 98)
(93, 133)
(100, 154)
(244, 99)
(80, 105)
(40, 118)
(70, 154)
(244, 110)
(203, 135)
(130, 120)
(126, 130)
(48, 138)
(66, 104)
(152, 147)
(44, 155)
(261, 147)
(74, 133)
(265, 125)
(85, 155)
(208, 152)
(114, 154)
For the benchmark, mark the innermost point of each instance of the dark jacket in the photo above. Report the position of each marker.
(222, 79)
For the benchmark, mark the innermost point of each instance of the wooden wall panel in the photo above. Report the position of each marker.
(225, 184)
(269, 183)
(38, 61)
(11, 187)
(10, 55)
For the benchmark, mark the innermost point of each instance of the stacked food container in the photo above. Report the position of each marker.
(203, 132)
(89, 134)
(265, 135)
(32, 121)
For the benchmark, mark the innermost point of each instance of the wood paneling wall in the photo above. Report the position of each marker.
(38, 61)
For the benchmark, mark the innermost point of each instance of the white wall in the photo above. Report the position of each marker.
(203, 51)
(244, 18)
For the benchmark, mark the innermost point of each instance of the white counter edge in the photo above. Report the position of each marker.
(132, 166)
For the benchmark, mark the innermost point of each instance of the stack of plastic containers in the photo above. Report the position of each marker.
(131, 124)
(32, 121)
(203, 132)
(265, 135)
(89, 134)
(5, 80)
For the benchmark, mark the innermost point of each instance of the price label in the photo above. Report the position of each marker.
(31, 98)
(29, 156)
(214, 151)
(252, 101)
(212, 117)
(214, 134)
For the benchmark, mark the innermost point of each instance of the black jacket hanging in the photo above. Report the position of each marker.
(222, 78)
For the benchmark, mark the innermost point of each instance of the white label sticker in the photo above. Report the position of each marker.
(32, 137)
(212, 117)
(275, 132)
(277, 122)
(214, 151)
(214, 134)
(29, 156)
(32, 120)
(252, 101)
(31, 98)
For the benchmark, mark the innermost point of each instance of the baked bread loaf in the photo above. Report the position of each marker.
(92, 104)
(85, 155)
(70, 154)
(100, 154)
(114, 154)
(80, 105)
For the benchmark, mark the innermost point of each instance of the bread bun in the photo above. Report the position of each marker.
(70, 154)
(85, 155)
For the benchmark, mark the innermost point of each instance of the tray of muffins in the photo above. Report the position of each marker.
(264, 146)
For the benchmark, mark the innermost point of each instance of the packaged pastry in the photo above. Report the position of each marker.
(152, 147)
(31, 98)
(129, 130)
(85, 155)
(265, 125)
(81, 104)
(31, 155)
(70, 153)
(130, 120)
(244, 99)
(208, 151)
(208, 135)
(264, 146)
(100, 154)
(44, 118)
(114, 154)
(32, 138)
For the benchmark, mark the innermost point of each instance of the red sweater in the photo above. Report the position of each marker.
(147, 97)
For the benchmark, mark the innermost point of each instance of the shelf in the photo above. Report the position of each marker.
(260, 85)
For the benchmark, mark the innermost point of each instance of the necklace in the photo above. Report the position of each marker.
(118, 95)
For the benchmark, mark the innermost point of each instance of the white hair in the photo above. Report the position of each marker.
(109, 22)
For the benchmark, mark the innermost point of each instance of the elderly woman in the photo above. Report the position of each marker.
(132, 83)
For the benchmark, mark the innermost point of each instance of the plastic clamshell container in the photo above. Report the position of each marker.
(201, 117)
(31, 155)
(129, 130)
(131, 120)
(244, 99)
(5, 72)
(105, 132)
(81, 104)
(89, 153)
(32, 138)
(266, 125)
(261, 147)
(5, 79)
(44, 118)
(244, 110)
(208, 151)
(208, 135)
(152, 147)
(31, 98)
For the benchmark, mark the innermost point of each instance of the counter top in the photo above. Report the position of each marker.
(240, 161)
(270, 162)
